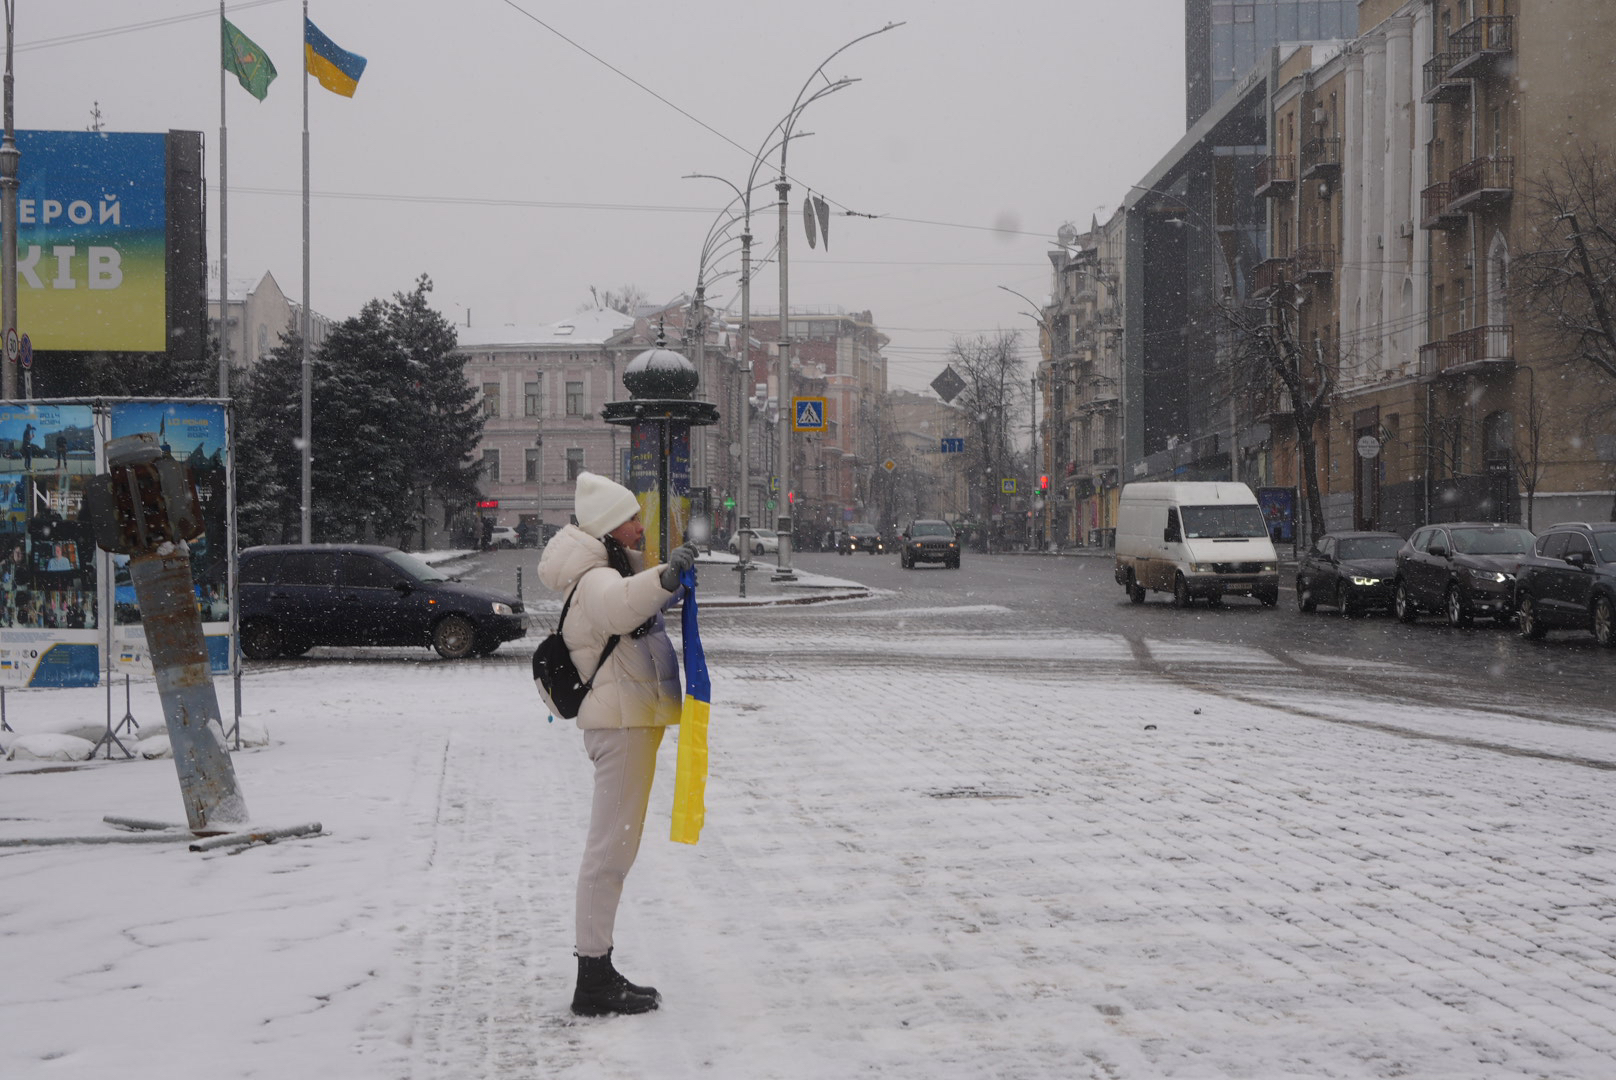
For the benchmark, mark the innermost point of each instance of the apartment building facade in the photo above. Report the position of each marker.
(1445, 401)
(1080, 385)
(255, 318)
(834, 475)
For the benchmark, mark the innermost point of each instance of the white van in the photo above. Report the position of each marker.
(1194, 539)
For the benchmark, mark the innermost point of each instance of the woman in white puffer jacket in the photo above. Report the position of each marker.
(634, 695)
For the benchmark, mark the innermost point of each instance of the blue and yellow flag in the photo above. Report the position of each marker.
(337, 69)
(690, 781)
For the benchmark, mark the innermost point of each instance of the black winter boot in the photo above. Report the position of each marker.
(603, 991)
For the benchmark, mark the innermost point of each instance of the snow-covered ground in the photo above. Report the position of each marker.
(922, 859)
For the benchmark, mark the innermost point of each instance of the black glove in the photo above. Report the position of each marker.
(680, 559)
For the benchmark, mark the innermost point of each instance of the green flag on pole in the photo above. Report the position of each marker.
(247, 62)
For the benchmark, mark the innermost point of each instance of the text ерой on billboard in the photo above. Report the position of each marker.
(108, 231)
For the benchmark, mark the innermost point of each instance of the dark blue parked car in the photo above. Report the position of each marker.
(294, 597)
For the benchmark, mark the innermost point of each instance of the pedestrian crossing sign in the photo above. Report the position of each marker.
(808, 414)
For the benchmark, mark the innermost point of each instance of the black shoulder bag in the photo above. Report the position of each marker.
(556, 676)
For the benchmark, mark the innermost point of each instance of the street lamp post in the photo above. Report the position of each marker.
(783, 187)
(1038, 454)
(743, 525)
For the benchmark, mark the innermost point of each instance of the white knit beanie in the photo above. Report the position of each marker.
(601, 505)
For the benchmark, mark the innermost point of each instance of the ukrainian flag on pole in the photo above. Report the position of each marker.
(690, 781)
(335, 68)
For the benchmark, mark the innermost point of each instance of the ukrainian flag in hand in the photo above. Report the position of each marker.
(337, 69)
(690, 781)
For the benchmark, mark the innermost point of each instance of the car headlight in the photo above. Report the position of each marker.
(1270, 568)
(1489, 575)
(1202, 568)
(502, 609)
(1365, 580)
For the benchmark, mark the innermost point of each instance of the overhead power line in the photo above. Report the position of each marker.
(130, 28)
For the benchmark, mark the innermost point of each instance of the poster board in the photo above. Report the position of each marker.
(67, 608)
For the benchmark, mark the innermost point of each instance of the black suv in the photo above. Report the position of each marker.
(862, 536)
(295, 597)
(1462, 569)
(1570, 581)
(1351, 570)
(929, 540)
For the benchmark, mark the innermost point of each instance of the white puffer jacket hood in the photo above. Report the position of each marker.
(639, 685)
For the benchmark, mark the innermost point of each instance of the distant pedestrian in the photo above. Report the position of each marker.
(636, 693)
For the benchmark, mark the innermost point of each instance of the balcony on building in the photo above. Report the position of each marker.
(1102, 396)
(1314, 261)
(1321, 158)
(1477, 348)
(1441, 84)
(1478, 46)
(1436, 207)
(1276, 176)
(1481, 185)
(1487, 344)
(1269, 275)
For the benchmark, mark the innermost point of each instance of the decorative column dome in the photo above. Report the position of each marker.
(661, 374)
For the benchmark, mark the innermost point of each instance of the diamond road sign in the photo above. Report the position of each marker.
(889, 464)
(949, 384)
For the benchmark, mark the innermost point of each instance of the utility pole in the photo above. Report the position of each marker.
(8, 227)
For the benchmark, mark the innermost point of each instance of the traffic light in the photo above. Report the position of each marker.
(1043, 482)
(791, 497)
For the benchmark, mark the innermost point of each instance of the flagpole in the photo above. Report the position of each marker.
(307, 494)
(224, 229)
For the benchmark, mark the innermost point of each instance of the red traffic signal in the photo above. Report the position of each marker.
(791, 497)
(1043, 482)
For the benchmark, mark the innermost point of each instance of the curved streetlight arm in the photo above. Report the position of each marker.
(716, 238)
(745, 197)
(1038, 318)
(799, 104)
(717, 255)
(795, 114)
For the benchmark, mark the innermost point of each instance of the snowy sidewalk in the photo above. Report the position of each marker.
(925, 856)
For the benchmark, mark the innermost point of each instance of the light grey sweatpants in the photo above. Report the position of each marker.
(625, 762)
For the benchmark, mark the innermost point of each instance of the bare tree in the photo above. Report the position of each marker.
(994, 385)
(1277, 374)
(1527, 453)
(1565, 285)
(624, 298)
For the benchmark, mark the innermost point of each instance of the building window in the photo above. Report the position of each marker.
(575, 399)
(532, 470)
(532, 399)
(575, 463)
(491, 465)
(491, 399)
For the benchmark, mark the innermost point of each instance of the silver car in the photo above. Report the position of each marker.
(764, 542)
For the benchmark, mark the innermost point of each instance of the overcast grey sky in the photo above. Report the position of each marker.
(517, 170)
